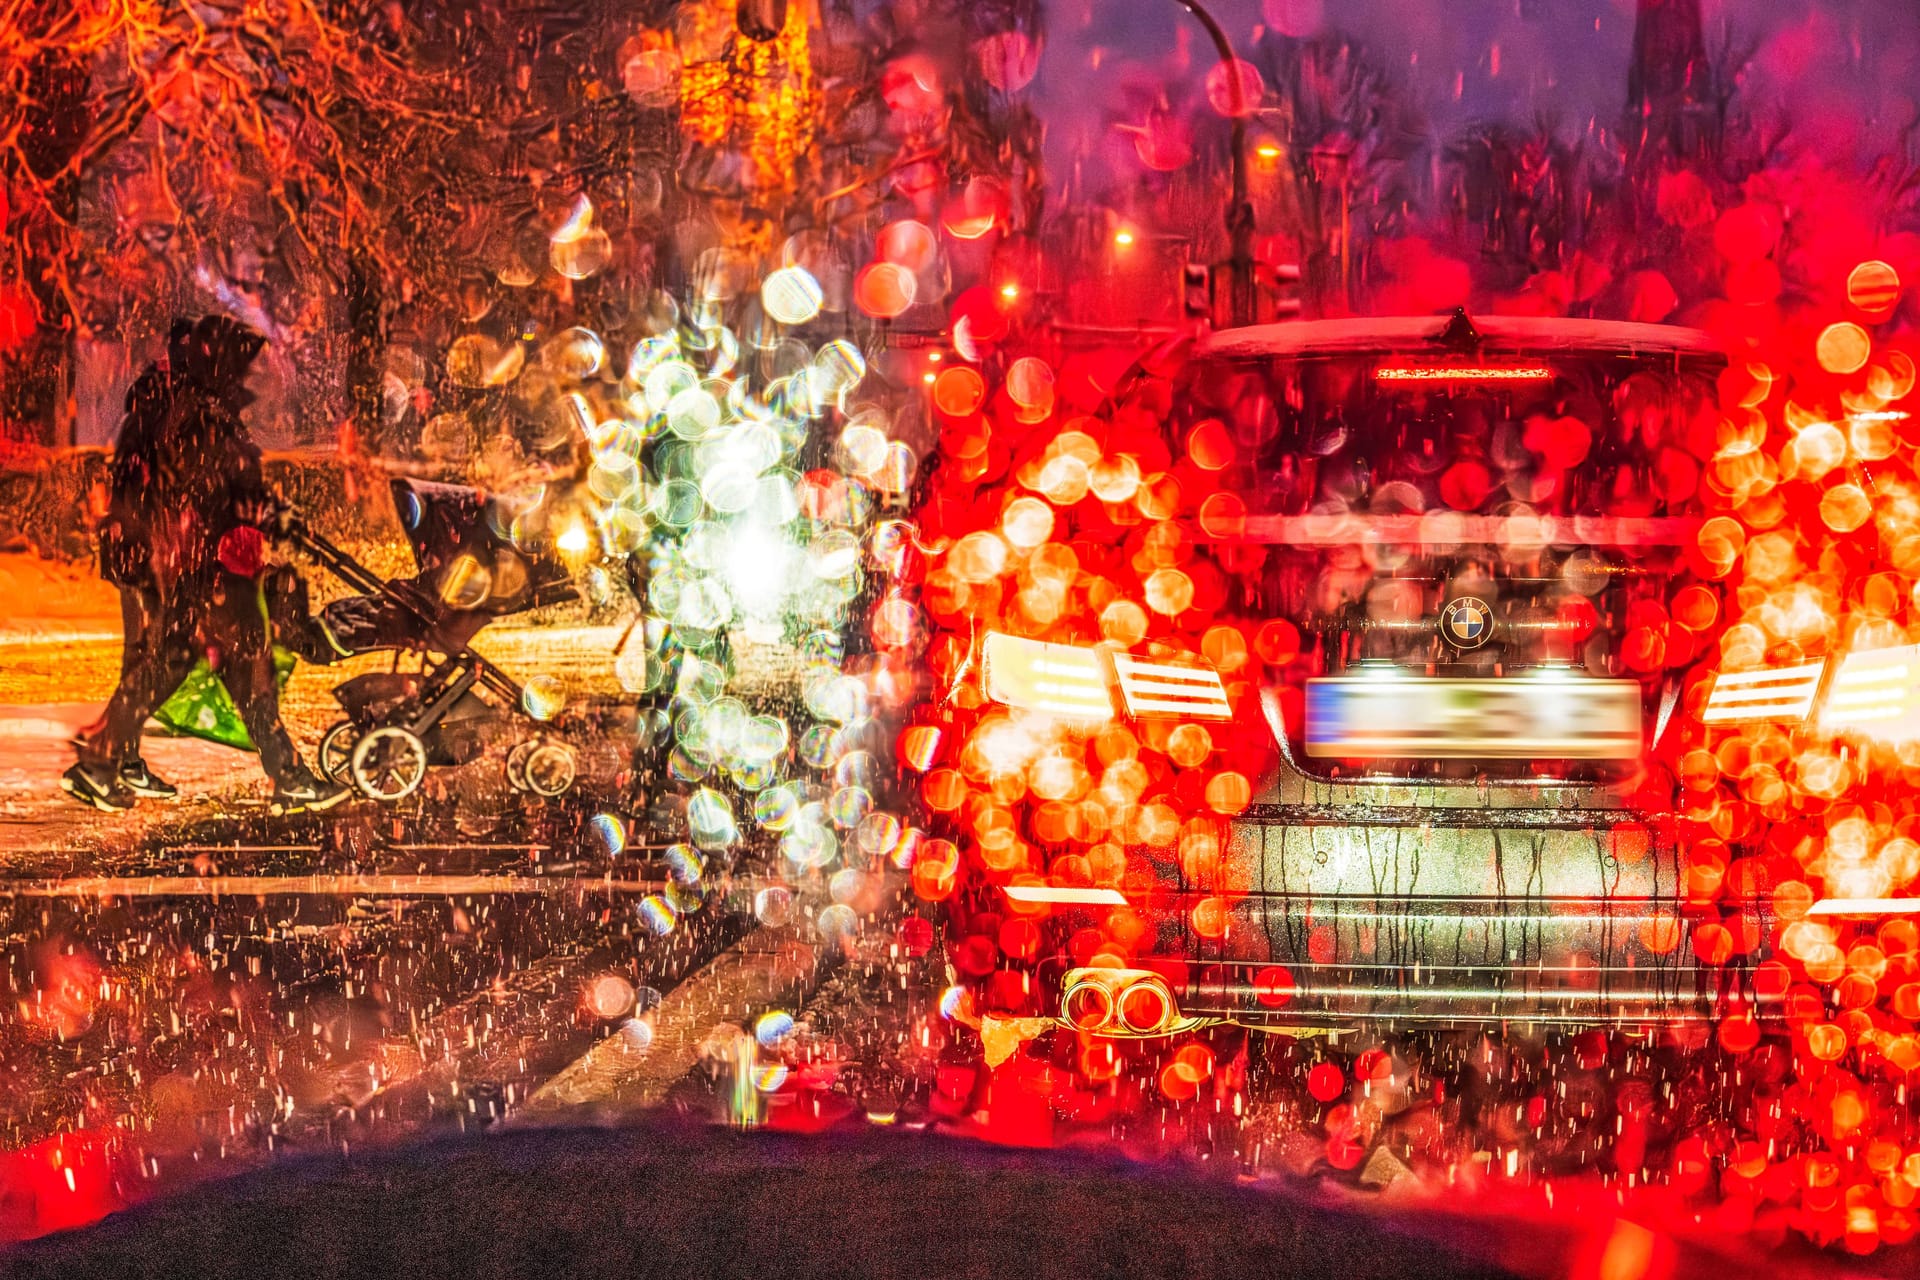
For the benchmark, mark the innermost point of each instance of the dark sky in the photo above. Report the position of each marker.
(1848, 69)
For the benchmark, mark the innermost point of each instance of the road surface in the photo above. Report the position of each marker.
(206, 983)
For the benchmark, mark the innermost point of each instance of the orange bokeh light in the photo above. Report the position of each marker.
(958, 391)
(884, 290)
(1843, 347)
(1874, 287)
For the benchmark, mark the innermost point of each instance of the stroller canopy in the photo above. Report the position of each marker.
(459, 537)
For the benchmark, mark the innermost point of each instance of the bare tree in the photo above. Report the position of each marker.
(1519, 196)
(285, 157)
(1357, 156)
(142, 126)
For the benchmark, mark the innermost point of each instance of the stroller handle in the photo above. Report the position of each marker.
(337, 562)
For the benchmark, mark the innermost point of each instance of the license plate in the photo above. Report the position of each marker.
(1521, 717)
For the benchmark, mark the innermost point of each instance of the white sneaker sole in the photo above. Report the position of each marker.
(87, 797)
(281, 810)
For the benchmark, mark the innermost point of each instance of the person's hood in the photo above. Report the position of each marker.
(217, 352)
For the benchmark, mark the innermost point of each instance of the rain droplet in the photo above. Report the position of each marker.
(773, 905)
(791, 295)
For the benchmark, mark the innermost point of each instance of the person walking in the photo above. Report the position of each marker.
(124, 563)
(185, 542)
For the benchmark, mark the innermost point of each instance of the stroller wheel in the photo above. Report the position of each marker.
(389, 764)
(549, 769)
(517, 765)
(335, 756)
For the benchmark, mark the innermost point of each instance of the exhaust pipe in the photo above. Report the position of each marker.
(1147, 1007)
(1087, 1005)
(1122, 1002)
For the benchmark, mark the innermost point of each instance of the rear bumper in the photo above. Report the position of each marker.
(1349, 961)
(1350, 902)
(1349, 915)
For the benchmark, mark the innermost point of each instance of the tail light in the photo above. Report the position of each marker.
(1461, 372)
(1061, 679)
(1776, 693)
(1188, 690)
(1876, 692)
(1121, 1002)
(1079, 681)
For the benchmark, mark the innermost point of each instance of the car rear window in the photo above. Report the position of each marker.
(1562, 490)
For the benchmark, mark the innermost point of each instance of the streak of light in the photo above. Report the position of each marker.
(508, 848)
(1062, 895)
(1875, 692)
(1063, 679)
(392, 886)
(59, 637)
(1864, 907)
(245, 848)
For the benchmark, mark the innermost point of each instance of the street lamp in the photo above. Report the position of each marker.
(1240, 210)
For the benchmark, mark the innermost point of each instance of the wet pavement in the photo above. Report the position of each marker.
(196, 984)
(199, 986)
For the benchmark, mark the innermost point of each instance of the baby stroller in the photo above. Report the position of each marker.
(400, 723)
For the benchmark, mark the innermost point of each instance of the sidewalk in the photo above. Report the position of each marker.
(38, 820)
(59, 658)
(50, 603)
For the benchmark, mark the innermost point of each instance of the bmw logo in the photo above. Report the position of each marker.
(1466, 622)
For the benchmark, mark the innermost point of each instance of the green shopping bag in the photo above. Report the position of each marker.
(202, 708)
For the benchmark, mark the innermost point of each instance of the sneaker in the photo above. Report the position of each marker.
(90, 786)
(305, 793)
(144, 782)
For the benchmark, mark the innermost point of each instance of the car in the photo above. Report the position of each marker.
(1479, 533)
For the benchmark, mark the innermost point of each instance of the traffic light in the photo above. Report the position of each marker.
(1275, 290)
(1205, 292)
(1196, 291)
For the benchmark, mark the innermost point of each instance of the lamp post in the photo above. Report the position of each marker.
(1240, 210)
